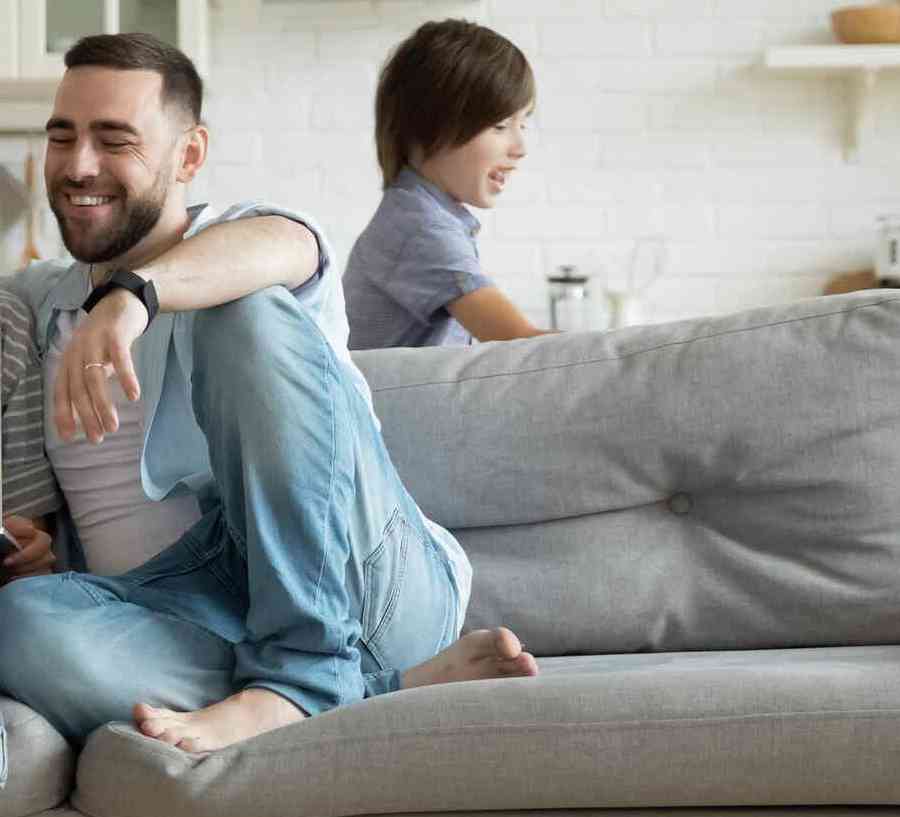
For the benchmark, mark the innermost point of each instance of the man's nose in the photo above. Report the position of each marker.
(83, 162)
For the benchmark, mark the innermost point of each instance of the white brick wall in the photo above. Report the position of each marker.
(653, 118)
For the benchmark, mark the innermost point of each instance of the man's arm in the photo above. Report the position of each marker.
(221, 263)
(229, 260)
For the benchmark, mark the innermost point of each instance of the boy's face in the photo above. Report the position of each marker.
(477, 172)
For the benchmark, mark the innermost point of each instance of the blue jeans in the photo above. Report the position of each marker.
(313, 574)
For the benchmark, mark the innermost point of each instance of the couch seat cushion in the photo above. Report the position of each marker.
(770, 727)
(41, 765)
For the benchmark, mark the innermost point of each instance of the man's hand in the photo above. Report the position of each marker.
(81, 390)
(34, 557)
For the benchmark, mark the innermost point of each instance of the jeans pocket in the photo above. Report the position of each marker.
(383, 572)
(409, 601)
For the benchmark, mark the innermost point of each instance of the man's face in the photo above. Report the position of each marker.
(111, 154)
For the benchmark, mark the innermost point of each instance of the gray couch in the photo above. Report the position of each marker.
(695, 526)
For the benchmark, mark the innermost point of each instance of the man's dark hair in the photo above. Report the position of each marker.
(442, 86)
(182, 85)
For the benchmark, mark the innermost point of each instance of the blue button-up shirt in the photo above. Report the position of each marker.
(417, 255)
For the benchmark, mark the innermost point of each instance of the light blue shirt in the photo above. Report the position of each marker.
(174, 458)
(417, 255)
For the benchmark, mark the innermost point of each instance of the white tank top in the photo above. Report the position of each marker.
(119, 527)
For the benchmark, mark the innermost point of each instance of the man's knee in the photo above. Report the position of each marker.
(247, 327)
(253, 346)
(31, 629)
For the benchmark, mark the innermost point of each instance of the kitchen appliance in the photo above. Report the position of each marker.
(570, 305)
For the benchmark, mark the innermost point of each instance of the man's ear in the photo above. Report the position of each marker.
(193, 153)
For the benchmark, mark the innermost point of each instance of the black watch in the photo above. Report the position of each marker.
(141, 288)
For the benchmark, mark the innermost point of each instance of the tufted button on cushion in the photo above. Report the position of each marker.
(681, 503)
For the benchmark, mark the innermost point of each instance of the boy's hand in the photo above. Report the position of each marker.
(35, 558)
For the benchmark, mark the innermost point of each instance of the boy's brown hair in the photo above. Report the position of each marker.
(442, 86)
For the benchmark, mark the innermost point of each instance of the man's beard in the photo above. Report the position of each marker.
(140, 217)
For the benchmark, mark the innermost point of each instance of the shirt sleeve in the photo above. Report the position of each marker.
(437, 264)
(29, 487)
(255, 209)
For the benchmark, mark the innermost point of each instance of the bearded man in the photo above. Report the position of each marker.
(237, 529)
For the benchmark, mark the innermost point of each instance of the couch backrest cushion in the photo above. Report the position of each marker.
(725, 482)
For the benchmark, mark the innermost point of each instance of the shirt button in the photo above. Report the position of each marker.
(681, 503)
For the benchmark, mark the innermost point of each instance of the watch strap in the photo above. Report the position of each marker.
(141, 288)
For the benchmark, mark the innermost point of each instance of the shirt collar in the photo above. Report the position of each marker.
(409, 179)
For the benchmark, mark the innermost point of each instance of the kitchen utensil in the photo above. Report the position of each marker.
(877, 23)
(31, 252)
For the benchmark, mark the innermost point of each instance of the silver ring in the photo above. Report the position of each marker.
(93, 365)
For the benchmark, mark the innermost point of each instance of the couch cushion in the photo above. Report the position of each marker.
(732, 728)
(41, 764)
(715, 483)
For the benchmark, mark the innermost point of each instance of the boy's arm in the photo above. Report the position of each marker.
(489, 315)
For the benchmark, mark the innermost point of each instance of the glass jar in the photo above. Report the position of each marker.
(570, 306)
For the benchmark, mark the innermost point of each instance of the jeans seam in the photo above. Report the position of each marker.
(329, 376)
(86, 588)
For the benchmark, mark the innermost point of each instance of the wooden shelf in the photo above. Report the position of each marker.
(860, 65)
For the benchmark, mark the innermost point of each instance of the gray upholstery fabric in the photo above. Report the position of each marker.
(771, 727)
(65, 811)
(41, 763)
(676, 489)
(707, 484)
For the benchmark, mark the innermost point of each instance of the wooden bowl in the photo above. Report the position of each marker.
(879, 23)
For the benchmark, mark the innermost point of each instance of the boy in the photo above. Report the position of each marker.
(451, 107)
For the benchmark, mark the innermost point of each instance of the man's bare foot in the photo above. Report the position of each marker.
(244, 715)
(477, 655)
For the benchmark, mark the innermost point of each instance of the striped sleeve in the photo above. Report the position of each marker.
(29, 487)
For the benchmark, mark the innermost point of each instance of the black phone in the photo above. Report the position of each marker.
(8, 545)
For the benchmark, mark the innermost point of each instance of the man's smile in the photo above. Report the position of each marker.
(88, 201)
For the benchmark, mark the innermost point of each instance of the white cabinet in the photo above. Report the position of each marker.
(37, 33)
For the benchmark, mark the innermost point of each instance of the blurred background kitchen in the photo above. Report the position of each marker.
(687, 157)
